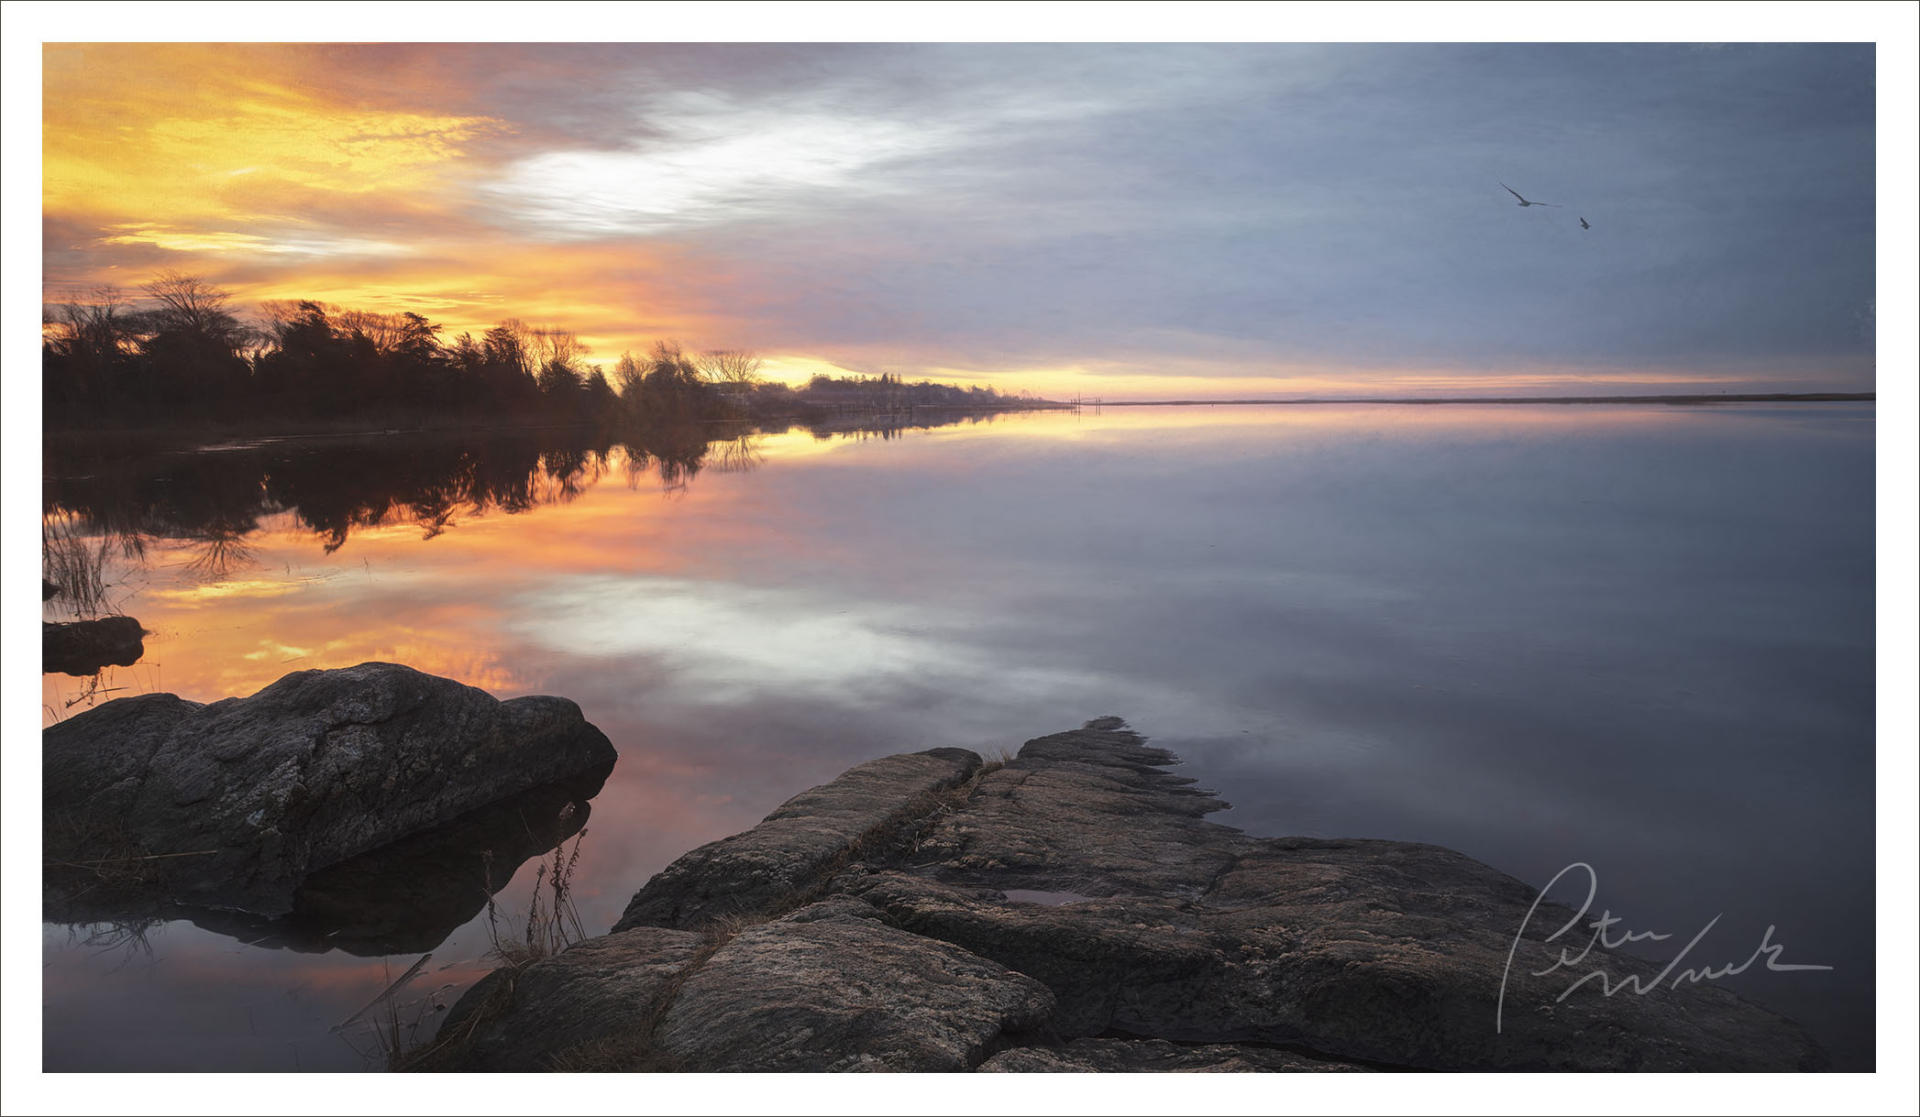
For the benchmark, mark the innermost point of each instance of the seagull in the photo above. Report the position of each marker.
(1523, 201)
(1584, 225)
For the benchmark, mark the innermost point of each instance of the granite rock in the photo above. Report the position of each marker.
(235, 802)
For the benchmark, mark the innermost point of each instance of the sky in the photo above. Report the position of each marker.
(1130, 221)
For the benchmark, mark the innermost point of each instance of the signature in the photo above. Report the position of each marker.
(1568, 958)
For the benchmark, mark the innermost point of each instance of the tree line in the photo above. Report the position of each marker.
(183, 354)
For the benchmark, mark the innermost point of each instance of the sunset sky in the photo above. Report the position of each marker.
(1133, 221)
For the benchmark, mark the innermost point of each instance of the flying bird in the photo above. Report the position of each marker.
(1584, 225)
(1523, 201)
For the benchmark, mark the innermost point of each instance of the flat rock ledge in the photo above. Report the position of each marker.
(1072, 910)
(234, 803)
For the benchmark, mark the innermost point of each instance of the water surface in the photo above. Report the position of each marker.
(1639, 637)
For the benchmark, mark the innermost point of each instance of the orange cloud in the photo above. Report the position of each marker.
(168, 133)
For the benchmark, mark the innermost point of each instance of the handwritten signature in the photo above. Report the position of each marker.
(1567, 958)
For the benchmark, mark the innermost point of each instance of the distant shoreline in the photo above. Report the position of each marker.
(1775, 397)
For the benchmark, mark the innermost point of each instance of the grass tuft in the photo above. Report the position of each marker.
(552, 924)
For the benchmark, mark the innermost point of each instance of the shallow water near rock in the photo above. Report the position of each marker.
(1635, 637)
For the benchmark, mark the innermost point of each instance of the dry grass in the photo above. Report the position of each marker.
(552, 924)
(92, 851)
(624, 1053)
(389, 1031)
(97, 686)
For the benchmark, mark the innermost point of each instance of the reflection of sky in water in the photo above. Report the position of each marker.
(1640, 637)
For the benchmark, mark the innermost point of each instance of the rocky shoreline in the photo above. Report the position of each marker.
(1068, 908)
(1071, 909)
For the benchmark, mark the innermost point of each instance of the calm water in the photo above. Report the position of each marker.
(1639, 637)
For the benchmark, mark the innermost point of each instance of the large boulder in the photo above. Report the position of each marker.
(236, 802)
(928, 895)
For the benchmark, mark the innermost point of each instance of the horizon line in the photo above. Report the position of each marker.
(1722, 397)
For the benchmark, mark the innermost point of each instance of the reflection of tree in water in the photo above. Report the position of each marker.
(678, 452)
(216, 555)
(217, 541)
(100, 516)
(76, 556)
(565, 474)
(739, 454)
(101, 501)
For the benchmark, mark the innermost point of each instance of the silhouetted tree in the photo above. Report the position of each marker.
(186, 355)
(192, 347)
(601, 402)
(87, 364)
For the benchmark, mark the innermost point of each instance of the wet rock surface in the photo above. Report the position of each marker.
(1165, 942)
(236, 803)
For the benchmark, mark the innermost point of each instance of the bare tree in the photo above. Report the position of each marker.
(553, 345)
(733, 368)
(627, 374)
(93, 327)
(191, 305)
(278, 314)
(514, 338)
(384, 331)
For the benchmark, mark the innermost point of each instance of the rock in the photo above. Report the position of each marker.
(1108, 1056)
(235, 803)
(799, 845)
(839, 991)
(1162, 940)
(1387, 952)
(83, 648)
(593, 1006)
(826, 988)
(402, 898)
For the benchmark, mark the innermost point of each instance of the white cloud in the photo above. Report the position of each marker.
(712, 168)
(175, 239)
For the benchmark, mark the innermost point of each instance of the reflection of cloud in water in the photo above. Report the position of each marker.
(736, 641)
(249, 587)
